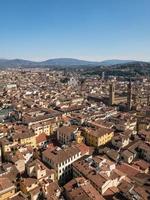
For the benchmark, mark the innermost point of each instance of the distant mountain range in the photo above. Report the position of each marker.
(60, 62)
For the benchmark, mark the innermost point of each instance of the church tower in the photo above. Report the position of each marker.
(129, 96)
(111, 94)
(148, 99)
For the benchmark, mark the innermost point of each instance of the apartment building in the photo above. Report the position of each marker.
(61, 160)
(7, 188)
(81, 188)
(25, 138)
(37, 169)
(47, 127)
(66, 134)
(98, 137)
(102, 173)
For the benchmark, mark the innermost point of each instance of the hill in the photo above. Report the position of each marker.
(136, 68)
(59, 62)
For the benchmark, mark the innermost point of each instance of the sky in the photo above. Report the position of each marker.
(85, 29)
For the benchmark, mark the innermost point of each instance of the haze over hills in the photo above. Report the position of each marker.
(62, 62)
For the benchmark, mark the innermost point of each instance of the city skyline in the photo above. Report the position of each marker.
(87, 30)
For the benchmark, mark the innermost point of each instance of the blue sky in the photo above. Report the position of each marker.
(85, 29)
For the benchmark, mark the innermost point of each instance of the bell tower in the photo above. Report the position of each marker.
(129, 96)
(111, 94)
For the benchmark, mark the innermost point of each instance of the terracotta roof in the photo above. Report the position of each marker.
(52, 189)
(5, 183)
(58, 156)
(83, 148)
(79, 189)
(142, 164)
(18, 196)
(41, 138)
(127, 169)
(28, 181)
(67, 130)
(99, 132)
